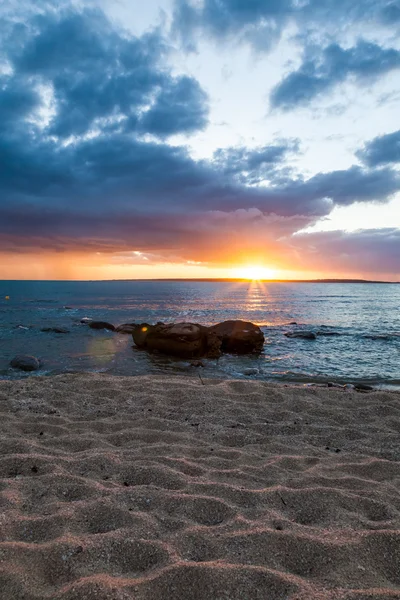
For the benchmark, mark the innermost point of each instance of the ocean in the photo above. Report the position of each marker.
(358, 327)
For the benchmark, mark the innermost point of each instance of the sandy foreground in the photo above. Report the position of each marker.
(158, 488)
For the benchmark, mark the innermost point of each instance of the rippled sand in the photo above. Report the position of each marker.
(151, 488)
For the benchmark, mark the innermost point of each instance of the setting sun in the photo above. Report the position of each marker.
(255, 273)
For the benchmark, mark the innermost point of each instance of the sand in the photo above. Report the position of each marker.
(162, 488)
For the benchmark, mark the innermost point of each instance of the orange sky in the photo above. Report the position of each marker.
(85, 266)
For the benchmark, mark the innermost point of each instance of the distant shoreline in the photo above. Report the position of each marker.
(208, 280)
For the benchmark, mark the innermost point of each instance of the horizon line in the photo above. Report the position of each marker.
(214, 280)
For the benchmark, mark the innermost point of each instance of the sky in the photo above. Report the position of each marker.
(199, 138)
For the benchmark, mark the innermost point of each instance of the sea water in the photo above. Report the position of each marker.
(358, 327)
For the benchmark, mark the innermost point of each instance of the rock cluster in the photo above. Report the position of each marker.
(191, 340)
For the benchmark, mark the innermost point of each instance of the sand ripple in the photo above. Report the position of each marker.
(152, 488)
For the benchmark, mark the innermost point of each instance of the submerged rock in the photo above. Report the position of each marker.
(239, 337)
(307, 335)
(324, 333)
(184, 340)
(55, 329)
(25, 362)
(249, 372)
(101, 325)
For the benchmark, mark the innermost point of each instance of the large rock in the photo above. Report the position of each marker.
(185, 340)
(191, 340)
(24, 362)
(239, 337)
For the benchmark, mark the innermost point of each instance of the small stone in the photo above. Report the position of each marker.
(54, 330)
(196, 363)
(362, 387)
(25, 362)
(249, 372)
(307, 335)
(101, 325)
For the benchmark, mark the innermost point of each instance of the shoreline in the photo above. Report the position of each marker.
(326, 383)
(139, 487)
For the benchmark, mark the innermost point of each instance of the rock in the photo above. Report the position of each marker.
(24, 362)
(239, 337)
(86, 320)
(196, 363)
(101, 325)
(293, 323)
(307, 335)
(55, 329)
(327, 333)
(185, 340)
(362, 387)
(349, 386)
(249, 372)
(127, 328)
(331, 384)
(68, 307)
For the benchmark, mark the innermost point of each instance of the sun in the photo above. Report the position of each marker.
(255, 273)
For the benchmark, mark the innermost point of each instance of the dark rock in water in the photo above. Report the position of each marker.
(293, 323)
(362, 387)
(55, 329)
(127, 328)
(25, 362)
(185, 340)
(249, 372)
(68, 307)
(101, 325)
(327, 333)
(239, 337)
(307, 335)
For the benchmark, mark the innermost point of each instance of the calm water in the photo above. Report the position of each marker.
(364, 317)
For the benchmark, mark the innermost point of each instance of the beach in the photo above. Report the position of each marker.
(163, 486)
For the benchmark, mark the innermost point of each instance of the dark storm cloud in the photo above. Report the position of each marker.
(97, 74)
(261, 22)
(322, 70)
(382, 150)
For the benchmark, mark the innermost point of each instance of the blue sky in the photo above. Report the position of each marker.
(193, 137)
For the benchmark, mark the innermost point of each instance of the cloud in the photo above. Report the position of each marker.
(98, 76)
(364, 251)
(262, 22)
(256, 164)
(364, 62)
(382, 150)
(85, 115)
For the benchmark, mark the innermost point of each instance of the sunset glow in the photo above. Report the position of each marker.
(255, 273)
(199, 139)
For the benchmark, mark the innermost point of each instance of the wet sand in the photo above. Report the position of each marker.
(153, 487)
